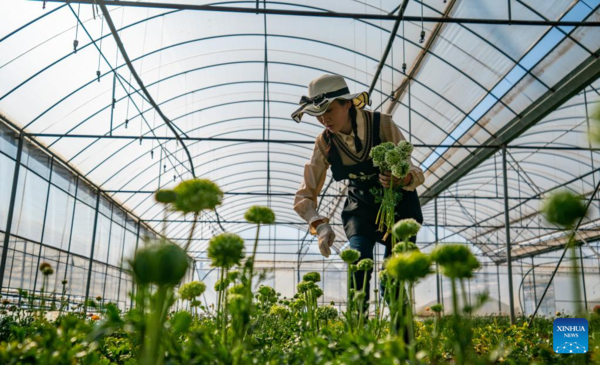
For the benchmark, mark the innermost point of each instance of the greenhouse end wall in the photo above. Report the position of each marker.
(53, 221)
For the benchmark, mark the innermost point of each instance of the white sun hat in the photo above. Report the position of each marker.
(322, 91)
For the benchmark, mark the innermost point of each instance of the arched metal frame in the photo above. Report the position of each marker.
(463, 183)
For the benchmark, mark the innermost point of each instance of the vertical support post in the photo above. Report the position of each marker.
(89, 277)
(499, 292)
(409, 113)
(534, 284)
(122, 253)
(113, 102)
(112, 207)
(509, 13)
(508, 246)
(583, 280)
(137, 241)
(437, 268)
(43, 226)
(11, 209)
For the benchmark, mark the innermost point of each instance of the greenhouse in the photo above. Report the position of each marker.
(307, 182)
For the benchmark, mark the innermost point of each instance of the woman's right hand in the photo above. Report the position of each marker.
(326, 238)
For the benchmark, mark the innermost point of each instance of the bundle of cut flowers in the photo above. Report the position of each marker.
(396, 159)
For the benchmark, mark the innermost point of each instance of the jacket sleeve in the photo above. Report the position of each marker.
(305, 201)
(389, 132)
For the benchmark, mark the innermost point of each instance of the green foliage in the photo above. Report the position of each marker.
(409, 266)
(260, 215)
(315, 277)
(405, 229)
(196, 195)
(403, 247)
(364, 265)
(456, 261)
(350, 256)
(564, 209)
(226, 250)
(191, 290)
(165, 196)
(160, 262)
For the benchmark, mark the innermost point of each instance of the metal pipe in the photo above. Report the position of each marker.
(11, 209)
(437, 269)
(508, 246)
(499, 295)
(583, 280)
(91, 259)
(300, 141)
(388, 47)
(229, 9)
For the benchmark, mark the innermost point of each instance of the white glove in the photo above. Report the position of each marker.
(326, 238)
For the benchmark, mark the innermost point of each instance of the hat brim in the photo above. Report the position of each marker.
(359, 100)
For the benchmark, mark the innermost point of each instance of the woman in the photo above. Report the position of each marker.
(350, 133)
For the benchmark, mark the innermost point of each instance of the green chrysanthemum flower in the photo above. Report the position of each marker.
(404, 247)
(401, 169)
(326, 313)
(393, 157)
(279, 311)
(318, 292)
(409, 267)
(192, 290)
(237, 289)
(437, 308)
(315, 277)
(233, 275)
(221, 285)
(353, 268)
(260, 215)
(456, 261)
(298, 304)
(160, 262)
(305, 286)
(236, 300)
(405, 229)
(404, 148)
(226, 250)
(350, 256)
(365, 265)
(378, 154)
(46, 269)
(564, 209)
(165, 196)
(194, 196)
(266, 291)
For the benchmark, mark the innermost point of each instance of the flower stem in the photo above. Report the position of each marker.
(187, 245)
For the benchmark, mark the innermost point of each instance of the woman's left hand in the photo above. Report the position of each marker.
(386, 177)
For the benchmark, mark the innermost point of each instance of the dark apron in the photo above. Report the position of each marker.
(360, 209)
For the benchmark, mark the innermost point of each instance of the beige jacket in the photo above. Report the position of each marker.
(315, 171)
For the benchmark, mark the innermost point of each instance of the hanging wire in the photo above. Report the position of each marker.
(141, 71)
(76, 42)
(162, 33)
(100, 51)
(129, 98)
(422, 26)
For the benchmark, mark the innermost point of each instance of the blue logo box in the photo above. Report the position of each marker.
(570, 336)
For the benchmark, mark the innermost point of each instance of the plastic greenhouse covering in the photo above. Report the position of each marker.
(473, 98)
